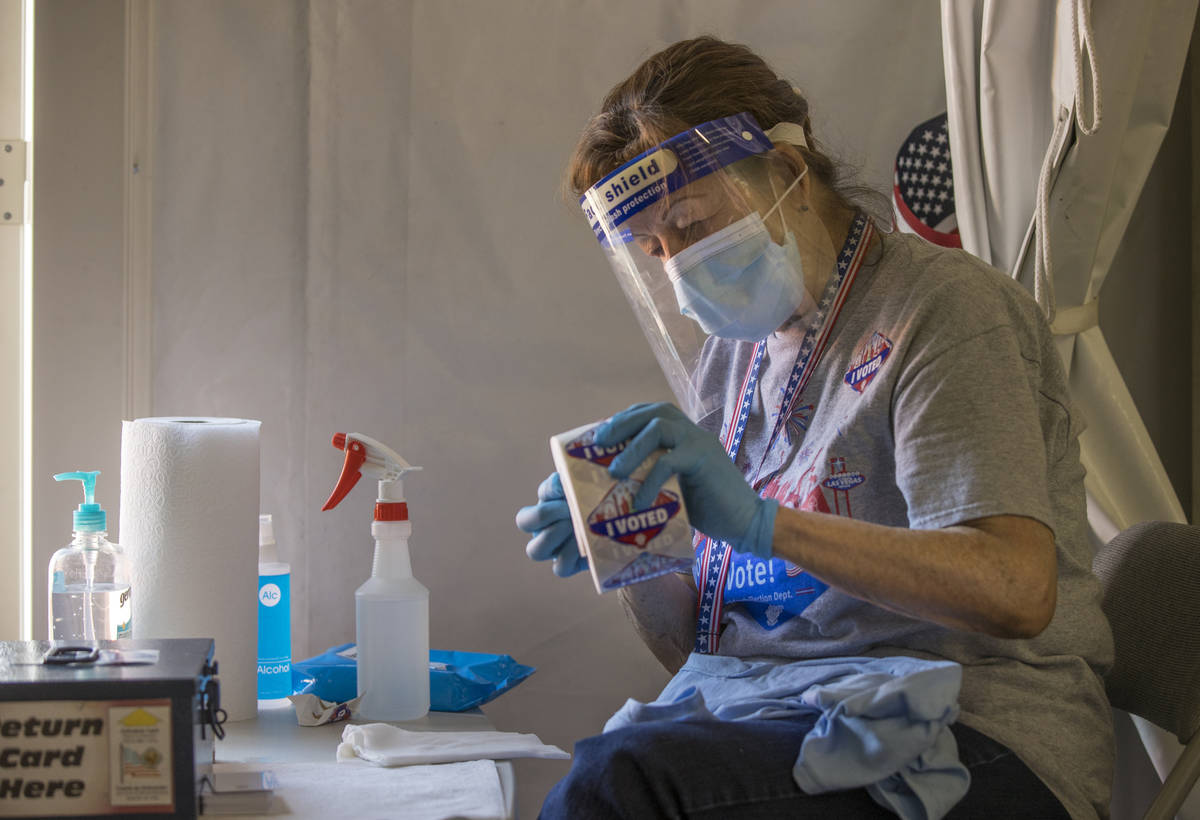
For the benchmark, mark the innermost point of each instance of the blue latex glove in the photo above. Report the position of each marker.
(719, 501)
(549, 522)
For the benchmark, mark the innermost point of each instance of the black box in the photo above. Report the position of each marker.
(85, 740)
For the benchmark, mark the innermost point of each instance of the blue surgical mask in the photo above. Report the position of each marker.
(737, 283)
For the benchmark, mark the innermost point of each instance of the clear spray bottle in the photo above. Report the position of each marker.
(392, 608)
(89, 578)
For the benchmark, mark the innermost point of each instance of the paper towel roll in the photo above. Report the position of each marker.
(189, 524)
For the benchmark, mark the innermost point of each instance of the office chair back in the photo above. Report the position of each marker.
(1151, 578)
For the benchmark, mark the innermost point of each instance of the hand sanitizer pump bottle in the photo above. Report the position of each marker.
(89, 578)
(274, 617)
(392, 608)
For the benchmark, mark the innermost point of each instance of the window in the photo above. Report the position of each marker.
(16, 124)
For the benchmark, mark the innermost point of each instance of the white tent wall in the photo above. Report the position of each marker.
(356, 227)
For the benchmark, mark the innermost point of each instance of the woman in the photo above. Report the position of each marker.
(883, 424)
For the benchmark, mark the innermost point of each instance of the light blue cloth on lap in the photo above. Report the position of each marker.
(880, 723)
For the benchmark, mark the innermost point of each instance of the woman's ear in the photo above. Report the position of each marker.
(792, 157)
(789, 163)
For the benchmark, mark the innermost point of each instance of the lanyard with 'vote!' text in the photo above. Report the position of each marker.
(713, 556)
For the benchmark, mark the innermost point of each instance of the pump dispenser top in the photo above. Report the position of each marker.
(90, 516)
(89, 590)
(268, 552)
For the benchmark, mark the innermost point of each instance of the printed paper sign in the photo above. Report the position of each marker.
(57, 758)
(139, 753)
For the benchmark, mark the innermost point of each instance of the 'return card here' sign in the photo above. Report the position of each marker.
(63, 758)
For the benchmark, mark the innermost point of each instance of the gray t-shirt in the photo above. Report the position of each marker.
(940, 398)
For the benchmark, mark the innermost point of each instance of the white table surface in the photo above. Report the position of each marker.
(274, 736)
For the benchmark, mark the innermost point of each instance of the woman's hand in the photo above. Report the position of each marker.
(719, 501)
(549, 522)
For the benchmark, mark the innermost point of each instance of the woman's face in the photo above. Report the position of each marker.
(688, 215)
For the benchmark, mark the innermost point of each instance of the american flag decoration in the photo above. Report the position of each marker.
(923, 185)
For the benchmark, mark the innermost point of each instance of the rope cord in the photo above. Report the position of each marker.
(1083, 47)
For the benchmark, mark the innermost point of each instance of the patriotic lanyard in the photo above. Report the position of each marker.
(714, 559)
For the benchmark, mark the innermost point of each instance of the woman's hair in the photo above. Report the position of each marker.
(688, 83)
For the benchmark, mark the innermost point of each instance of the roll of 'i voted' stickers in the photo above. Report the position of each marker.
(623, 545)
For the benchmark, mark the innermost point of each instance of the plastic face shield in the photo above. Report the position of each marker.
(667, 199)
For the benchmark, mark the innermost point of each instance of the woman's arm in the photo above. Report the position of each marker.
(663, 612)
(995, 575)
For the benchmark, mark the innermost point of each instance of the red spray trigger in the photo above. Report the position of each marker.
(356, 457)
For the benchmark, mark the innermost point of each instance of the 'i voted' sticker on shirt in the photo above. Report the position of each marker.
(868, 361)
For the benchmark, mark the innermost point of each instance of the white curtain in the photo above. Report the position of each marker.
(1057, 111)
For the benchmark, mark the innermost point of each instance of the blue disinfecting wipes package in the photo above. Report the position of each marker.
(457, 680)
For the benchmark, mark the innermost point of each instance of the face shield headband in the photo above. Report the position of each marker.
(661, 185)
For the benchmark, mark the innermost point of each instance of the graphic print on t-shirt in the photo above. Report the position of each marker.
(808, 493)
(772, 591)
(841, 482)
(797, 422)
(772, 597)
(867, 361)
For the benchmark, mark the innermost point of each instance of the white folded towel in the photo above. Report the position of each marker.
(322, 791)
(387, 745)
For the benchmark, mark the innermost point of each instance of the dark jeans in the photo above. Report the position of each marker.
(742, 770)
